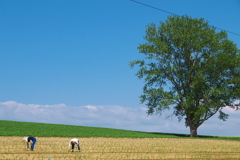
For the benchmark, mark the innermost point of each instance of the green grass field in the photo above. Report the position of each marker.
(15, 128)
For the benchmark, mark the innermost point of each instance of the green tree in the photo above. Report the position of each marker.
(190, 67)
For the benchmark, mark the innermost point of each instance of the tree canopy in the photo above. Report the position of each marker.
(190, 67)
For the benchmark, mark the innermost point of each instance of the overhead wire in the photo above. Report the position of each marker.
(177, 15)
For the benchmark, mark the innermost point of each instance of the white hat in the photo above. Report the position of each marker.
(25, 138)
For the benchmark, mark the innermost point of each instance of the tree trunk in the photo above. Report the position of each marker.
(193, 126)
(193, 131)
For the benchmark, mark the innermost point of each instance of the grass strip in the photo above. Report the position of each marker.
(16, 128)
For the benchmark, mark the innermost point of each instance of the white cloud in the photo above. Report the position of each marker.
(114, 117)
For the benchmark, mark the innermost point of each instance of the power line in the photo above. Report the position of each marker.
(154, 8)
(177, 15)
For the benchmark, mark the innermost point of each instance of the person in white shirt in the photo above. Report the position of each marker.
(73, 142)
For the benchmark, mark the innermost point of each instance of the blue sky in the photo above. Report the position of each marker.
(70, 58)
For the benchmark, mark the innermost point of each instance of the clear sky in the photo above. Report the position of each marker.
(67, 62)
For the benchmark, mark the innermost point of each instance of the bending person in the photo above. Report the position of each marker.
(31, 140)
(73, 142)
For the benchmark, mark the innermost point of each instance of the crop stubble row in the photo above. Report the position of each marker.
(56, 148)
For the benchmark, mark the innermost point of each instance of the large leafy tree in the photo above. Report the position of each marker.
(190, 67)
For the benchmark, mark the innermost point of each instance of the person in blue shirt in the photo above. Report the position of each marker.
(31, 140)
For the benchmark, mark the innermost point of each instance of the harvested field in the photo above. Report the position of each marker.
(56, 148)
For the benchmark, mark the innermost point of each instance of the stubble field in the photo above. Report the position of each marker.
(56, 148)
